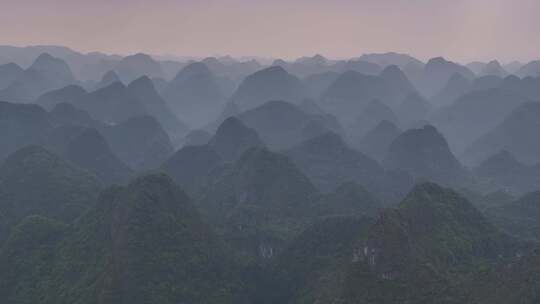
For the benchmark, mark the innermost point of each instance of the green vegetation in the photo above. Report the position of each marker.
(35, 181)
(520, 218)
(276, 241)
(141, 244)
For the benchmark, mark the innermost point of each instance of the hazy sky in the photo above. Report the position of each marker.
(461, 30)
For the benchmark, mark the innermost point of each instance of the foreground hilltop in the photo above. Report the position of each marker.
(143, 239)
(148, 242)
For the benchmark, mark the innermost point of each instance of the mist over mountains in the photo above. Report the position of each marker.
(374, 179)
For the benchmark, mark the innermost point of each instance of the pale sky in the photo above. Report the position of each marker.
(461, 30)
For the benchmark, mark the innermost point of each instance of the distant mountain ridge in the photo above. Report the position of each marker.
(46, 73)
(273, 83)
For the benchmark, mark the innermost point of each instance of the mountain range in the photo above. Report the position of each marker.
(378, 178)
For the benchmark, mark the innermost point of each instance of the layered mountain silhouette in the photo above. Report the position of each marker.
(195, 165)
(376, 142)
(486, 83)
(192, 166)
(359, 66)
(425, 154)
(329, 162)
(21, 125)
(111, 104)
(391, 58)
(9, 72)
(84, 66)
(527, 87)
(46, 73)
(493, 68)
(457, 86)
(70, 94)
(273, 83)
(274, 171)
(401, 85)
(305, 66)
(282, 125)
(233, 138)
(137, 65)
(156, 106)
(117, 102)
(530, 69)
(310, 106)
(53, 67)
(263, 180)
(197, 138)
(231, 68)
(140, 142)
(476, 66)
(160, 84)
(67, 114)
(503, 171)
(437, 72)
(108, 78)
(229, 110)
(316, 84)
(261, 202)
(352, 91)
(516, 134)
(36, 181)
(194, 95)
(413, 109)
(513, 66)
(474, 114)
(90, 150)
(372, 115)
